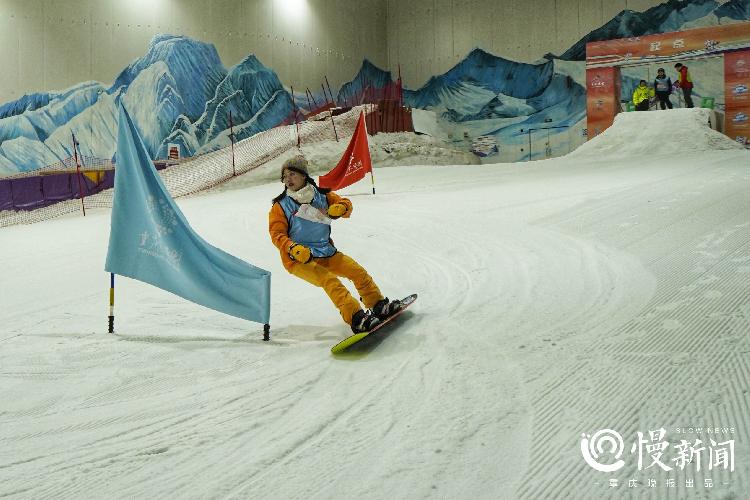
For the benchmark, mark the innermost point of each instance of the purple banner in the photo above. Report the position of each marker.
(28, 193)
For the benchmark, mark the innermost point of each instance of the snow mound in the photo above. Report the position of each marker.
(658, 132)
(386, 150)
(405, 148)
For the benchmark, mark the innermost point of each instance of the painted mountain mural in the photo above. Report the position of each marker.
(487, 95)
(255, 97)
(180, 92)
(368, 76)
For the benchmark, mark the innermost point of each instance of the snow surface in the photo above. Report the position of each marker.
(557, 298)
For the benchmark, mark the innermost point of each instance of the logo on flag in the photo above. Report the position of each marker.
(355, 162)
(354, 167)
(151, 241)
(598, 82)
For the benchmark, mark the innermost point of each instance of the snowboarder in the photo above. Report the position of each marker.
(685, 82)
(641, 96)
(663, 88)
(299, 225)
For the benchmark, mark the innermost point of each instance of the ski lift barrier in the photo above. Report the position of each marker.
(547, 146)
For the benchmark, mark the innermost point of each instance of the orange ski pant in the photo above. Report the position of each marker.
(324, 272)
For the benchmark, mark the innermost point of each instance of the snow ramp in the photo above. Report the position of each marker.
(658, 132)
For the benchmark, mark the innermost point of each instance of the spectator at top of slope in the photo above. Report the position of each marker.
(685, 82)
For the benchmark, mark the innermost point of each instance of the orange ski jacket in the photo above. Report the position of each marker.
(278, 226)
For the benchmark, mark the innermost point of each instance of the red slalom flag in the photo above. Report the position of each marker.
(355, 163)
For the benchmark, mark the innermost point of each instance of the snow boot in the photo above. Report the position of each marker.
(363, 321)
(385, 308)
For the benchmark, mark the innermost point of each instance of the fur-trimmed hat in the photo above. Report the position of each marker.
(297, 163)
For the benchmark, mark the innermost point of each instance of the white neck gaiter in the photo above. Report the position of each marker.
(304, 195)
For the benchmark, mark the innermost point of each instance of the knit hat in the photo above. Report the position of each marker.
(297, 163)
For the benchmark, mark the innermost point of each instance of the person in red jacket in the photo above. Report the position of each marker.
(685, 83)
(299, 224)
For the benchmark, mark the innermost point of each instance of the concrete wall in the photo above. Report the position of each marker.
(53, 44)
(428, 37)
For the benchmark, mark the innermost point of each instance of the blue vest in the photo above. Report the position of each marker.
(662, 84)
(314, 235)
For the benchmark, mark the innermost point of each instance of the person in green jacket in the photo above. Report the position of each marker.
(641, 96)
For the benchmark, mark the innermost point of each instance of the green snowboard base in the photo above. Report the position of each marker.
(353, 339)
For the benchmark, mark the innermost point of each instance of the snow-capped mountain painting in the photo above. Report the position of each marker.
(486, 95)
(180, 92)
(368, 76)
(246, 90)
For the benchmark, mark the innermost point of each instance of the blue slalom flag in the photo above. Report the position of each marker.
(151, 241)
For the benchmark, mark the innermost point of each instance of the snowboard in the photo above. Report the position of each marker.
(353, 339)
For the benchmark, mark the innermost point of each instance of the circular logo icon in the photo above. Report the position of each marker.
(603, 441)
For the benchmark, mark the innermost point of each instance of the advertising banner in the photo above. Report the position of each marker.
(737, 96)
(602, 99)
(664, 46)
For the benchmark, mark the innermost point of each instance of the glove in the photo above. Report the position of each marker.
(336, 210)
(300, 253)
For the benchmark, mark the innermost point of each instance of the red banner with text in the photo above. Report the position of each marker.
(668, 46)
(602, 99)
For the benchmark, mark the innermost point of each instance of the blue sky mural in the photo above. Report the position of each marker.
(180, 92)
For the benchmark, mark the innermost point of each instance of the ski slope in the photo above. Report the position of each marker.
(599, 290)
